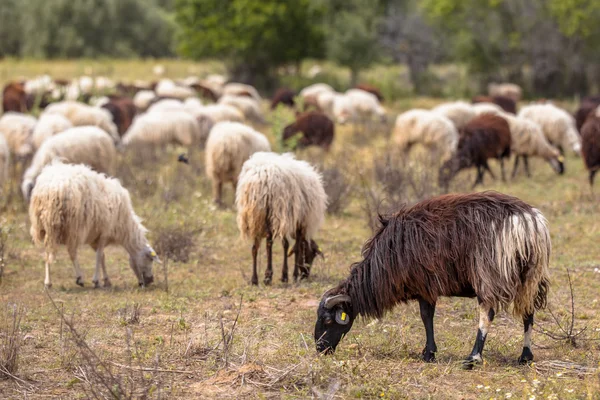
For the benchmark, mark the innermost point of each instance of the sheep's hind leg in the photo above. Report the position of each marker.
(527, 355)
(591, 177)
(526, 163)
(502, 169)
(101, 261)
(486, 316)
(269, 271)
(427, 313)
(516, 167)
(255, 248)
(284, 270)
(49, 259)
(78, 274)
(479, 179)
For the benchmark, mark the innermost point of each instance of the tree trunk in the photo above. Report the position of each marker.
(354, 75)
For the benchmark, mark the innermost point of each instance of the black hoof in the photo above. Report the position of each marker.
(267, 280)
(470, 363)
(284, 279)
(428, 356)
(526, 356)
(79, 281)
(96, 284)
(254, 282)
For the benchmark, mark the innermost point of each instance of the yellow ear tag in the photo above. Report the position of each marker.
(343, 316)
(561, 158)
(153, 254)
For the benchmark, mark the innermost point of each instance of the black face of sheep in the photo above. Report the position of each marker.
(558, 164)
(334, 320)
(450, 168)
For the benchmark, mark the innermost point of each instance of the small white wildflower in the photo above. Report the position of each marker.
(559, 374)
(497, 390)
(523, 380)
(486, 388)
(569, 390)
(532, 397)
(508, 395)
(479, 386)
(535, 382)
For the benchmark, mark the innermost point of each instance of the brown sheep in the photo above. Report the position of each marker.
(205, 92)
(506, 103)
(486, 136)
(123, 111)
(316, 128)
(588, 104)
(14, 98)
(283, 96)
(590, 145)
(371, 89)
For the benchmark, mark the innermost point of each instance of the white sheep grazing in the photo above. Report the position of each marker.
(17, 129)
(487, 108)
(168, 88)
(49, 125)
(81, 114)
(72, 205)
(431, 129)
(325, 100)
(528, 140)
(365, 105)
(4, 161)
(459, 112)
(193, 105)
(278, 196)
(241, 90)
(315, 89)
(343, 110)
(246, 105)
(161, 128)
(143, 99)
(166, 105)
(220, 113)
(216, 80)
(228, 146)
(39, 85)
(557, 124)
(88, 145)
(511, 90)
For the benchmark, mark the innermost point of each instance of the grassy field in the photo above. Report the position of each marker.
(202, 331)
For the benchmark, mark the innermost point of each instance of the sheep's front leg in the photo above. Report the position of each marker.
(101, 260)
(502, 169)
(487, 168)
(486, 316)
(217, 190)
(479, 179)
(514, 173)
(526, 163)
(78, 274)
(269, 271)
(527, 355)
(284, 270)
(49, 259)
(255, 248)
(427, 313)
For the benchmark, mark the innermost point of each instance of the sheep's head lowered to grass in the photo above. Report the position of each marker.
(334, 320)
(311, 250)
(142, 262)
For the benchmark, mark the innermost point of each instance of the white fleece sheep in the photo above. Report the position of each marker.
(557, 124)
(511, 90)
(88, 145)
(365, 104)
(17, 129)
(168, 88)
(343, 109)
(143, 99)
(81, 114)
(459, 112)
(278, 196)
(241, 89)
(315, 89)
(428, 128)
(72, 205)
(166, 105)
(220, 113)
(246, 105)
(325, 100)
(487, 108)
(49, 125)
(229, 144)
(528, 140)
(4, 161)
(161, 128)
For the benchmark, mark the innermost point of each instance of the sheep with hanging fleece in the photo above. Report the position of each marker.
(228, 146)
(87, 145)
(18, 129)
(159, 129)
(427, 128)
(507, 104)
(143, 99)
(510, 90)
(47, 126)
(366, 105)
(487, 245)
(246, 105)
(72, 205)
(241, 90)
(280, 197)
(81, 114)
(557, 124)
(459, 112)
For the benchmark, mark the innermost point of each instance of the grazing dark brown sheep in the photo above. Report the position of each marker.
(486, 136)
(506, 103)
(316, 129)
(14, 98)
(590, 146)
(283, 96)
(371, 89)
(487, 245)
(588, 104)
(123, 112)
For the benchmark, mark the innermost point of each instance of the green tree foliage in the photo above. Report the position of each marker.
(87, 28)
(10, 39)
(352, 34)
(254, 37)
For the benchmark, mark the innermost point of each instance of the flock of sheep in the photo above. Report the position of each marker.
(71, 153)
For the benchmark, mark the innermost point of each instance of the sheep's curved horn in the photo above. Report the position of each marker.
(333, 301)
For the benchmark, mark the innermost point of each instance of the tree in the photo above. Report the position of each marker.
(252, 37)
(10, 30)
(352, 37)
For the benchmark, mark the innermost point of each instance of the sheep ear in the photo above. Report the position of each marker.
(341, 317)
(320, 253)
(152, 254)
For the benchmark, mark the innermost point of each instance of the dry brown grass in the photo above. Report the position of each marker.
(186, 343)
